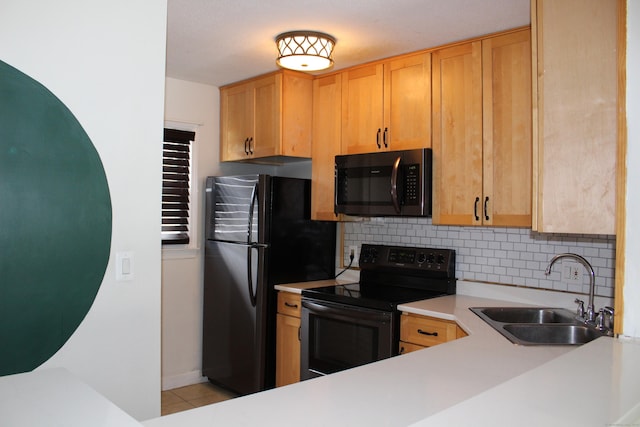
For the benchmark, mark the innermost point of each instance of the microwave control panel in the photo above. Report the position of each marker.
(411, 184)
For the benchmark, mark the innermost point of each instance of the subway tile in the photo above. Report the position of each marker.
(507, 246)
(493, 261)
(521, 253)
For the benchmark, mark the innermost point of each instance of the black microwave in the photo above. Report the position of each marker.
(389, 183)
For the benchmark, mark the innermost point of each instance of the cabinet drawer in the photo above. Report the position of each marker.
(407, 347)
(426, 331)
(289, 303)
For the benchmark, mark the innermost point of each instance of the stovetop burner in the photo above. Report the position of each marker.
(392, 275)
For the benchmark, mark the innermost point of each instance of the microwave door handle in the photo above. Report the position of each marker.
(394, 185)
(335, 189)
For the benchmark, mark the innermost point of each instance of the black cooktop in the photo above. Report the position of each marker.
(376, 297)
(392, 275)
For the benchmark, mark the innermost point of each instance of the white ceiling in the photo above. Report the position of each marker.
(223, 41)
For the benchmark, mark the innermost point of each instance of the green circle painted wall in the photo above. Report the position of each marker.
(55, 222)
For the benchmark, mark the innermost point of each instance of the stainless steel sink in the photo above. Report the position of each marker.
(527, 314)
(538, 325)
(553, 333)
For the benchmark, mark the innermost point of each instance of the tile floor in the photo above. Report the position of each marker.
(192, 396)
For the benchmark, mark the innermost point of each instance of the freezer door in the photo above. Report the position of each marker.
(234, 316)
(232, 208)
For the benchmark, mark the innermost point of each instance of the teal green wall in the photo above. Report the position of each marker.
(55, 222)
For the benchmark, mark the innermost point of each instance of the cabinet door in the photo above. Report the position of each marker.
(576, 122)
(267, 124)
(507, 130)
(296, 112)
(407, 101)
(362, 115)
(457, 134)
(236, 121)
(326, 145)
(287, 350)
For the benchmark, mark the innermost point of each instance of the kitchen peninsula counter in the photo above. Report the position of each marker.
(481, 379)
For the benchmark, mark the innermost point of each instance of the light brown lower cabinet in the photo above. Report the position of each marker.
(288, 339)
(418, 332)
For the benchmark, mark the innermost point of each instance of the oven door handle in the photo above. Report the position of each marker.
(342, 312)
(394, 185)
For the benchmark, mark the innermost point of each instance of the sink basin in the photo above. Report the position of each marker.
(527, 314)
(553, 333)
(538, 325)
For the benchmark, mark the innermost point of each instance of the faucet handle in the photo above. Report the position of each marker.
(600, 320)
(608, 312)
(580, 311)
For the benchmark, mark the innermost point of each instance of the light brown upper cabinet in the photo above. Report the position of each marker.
(387, 105)
(482, 132)
(266, 117)
(326, 145)
(575, 117)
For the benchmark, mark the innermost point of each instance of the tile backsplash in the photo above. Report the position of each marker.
(512, 256)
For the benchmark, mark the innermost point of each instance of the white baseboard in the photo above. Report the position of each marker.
(181, 380)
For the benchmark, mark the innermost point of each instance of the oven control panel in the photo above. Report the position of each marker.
(423, 259)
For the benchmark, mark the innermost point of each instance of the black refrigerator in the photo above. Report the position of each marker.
(258, 234)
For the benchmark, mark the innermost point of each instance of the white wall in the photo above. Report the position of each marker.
(631, 320)
(105, 61)
(190, 104)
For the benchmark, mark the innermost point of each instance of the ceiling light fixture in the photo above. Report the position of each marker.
(305, 50)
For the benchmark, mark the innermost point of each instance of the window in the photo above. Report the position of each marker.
(176, 185)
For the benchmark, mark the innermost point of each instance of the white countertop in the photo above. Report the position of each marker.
(463, 382)
(595, 385)
(297, 288)
(54, 397)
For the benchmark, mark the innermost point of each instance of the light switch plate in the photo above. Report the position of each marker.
(124, 266)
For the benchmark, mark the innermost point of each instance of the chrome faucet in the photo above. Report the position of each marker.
(591, 312)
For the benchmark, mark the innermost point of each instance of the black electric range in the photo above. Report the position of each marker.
(345, 326)
(392, 275)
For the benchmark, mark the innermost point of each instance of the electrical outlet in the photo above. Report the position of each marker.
(571, 273)
(353, 250)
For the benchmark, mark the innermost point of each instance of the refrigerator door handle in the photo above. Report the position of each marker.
(253, 298)
(254, 198)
